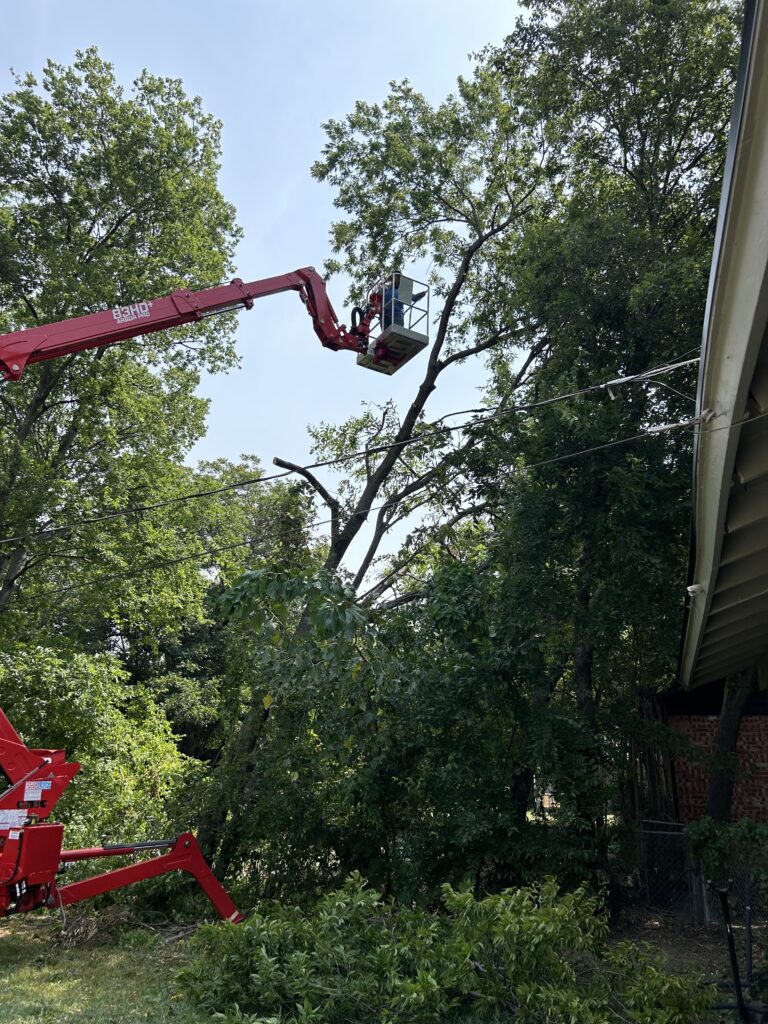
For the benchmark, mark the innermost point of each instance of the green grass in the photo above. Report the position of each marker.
(125, 981)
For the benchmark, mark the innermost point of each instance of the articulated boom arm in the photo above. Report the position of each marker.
(31, 855)
(110, 326)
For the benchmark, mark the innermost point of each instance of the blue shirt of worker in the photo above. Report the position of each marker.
(393, 311)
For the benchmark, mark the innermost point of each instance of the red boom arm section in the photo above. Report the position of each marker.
(110, 326)
(31, 857)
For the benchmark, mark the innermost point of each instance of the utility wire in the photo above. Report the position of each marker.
(198, 556)
(118, 513)
(421, 438)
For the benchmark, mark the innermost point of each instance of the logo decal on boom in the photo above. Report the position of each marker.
(127, 314)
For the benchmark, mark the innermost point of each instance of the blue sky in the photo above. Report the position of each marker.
(273, 73)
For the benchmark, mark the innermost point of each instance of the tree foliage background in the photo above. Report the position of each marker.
(402, 715)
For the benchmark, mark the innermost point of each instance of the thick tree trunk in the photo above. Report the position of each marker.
(723, 768)
(213, 835)
(12, 567)
(583, 663)
(583, 656)
(589, 797)
(520, 790)
(583, 650)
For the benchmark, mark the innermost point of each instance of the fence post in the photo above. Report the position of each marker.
(695, 886)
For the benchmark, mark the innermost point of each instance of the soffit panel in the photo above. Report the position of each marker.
(732, 388)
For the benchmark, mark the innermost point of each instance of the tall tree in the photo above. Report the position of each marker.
(636, 99)
(106, 197)
(566, 197)
(456, 184)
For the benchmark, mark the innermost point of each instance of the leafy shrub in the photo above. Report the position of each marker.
(722, 846)
(731, 850)
(532, 956)
(131, 766)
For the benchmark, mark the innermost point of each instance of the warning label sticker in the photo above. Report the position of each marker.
(35, 790)
(12, 819)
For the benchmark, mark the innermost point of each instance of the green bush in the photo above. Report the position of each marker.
(131, 766)
(532, 956)
(723, 847)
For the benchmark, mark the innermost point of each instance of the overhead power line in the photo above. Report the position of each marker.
(276, 535)
(647, 376)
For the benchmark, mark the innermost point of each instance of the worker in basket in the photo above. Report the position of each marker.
(393, 308)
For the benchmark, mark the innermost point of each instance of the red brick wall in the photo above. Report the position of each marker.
(750, 793)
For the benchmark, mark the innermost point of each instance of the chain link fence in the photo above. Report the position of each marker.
(669, 878)
(667, 875)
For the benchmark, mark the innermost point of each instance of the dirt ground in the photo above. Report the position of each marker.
(689, 947)
(701, 949)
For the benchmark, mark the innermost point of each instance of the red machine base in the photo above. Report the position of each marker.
(31, 857)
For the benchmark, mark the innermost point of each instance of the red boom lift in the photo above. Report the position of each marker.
(31, 854)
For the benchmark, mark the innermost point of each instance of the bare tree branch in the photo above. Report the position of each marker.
(481, 346)
(396, 602)
(325, 494)
(363, 507)
(28, 303)
(369, 443)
